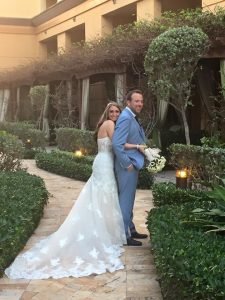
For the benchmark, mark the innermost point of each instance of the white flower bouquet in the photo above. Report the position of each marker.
(156, 161)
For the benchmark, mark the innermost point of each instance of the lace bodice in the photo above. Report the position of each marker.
(104, 144)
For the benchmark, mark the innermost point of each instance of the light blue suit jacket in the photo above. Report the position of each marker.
(128, 130)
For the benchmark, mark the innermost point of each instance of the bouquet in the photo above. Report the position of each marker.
(156, 162)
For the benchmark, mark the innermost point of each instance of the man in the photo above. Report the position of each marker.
(128, 162)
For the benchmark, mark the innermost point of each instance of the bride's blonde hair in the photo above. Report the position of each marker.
(105, 116)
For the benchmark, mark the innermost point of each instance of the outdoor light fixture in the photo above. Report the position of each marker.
(78, 153)
(181, 178)
(28, 144)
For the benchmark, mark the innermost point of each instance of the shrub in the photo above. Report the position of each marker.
(25, 131)
(65, 164)
(22, 200)
(145, 179)
(79, 168)
(190, 263)
(11, 152)
(167, 193)
(205, 164)
(72, 139)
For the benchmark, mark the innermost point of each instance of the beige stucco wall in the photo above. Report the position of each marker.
(18, 46)
(21, 8)
(213, 4)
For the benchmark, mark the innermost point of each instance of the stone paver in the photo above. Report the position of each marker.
(137, 281)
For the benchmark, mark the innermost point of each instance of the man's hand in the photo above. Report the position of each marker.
(130, 168)
(142, 148)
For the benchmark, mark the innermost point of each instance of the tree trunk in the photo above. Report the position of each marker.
(186, 127)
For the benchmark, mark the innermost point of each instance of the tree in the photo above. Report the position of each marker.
(170, 64)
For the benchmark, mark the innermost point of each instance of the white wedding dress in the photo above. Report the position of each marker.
(90, 239)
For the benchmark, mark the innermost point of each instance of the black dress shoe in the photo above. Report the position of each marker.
(131, 242)
(137, 235)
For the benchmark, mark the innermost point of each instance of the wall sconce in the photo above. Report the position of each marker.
(181, 178)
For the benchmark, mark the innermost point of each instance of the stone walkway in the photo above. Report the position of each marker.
(137, 281)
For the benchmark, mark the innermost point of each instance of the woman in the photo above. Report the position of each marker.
(90, 239)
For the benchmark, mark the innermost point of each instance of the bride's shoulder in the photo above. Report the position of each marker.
(109, 123)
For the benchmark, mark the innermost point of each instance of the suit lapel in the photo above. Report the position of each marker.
(140, 128)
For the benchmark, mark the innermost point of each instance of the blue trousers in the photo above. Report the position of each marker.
(127, 184)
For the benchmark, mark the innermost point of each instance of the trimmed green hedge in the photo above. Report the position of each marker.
(11, 152)
(166, 193)
(65, 164)
(191, 264)
(79, 168)
(72, 139)
(25, 131)
(22, 200)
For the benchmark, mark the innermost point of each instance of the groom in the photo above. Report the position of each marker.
(128, 162)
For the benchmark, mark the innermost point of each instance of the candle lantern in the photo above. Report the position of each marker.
(78, 153)
(181, 178)
(28, 144)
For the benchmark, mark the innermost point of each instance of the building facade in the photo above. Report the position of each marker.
(31, 30)
(36, 29)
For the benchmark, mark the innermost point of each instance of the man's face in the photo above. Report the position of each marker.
(136, 103)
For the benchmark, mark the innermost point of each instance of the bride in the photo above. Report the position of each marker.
(91, 238)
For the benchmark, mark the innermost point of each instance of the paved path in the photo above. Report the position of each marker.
(137, 281)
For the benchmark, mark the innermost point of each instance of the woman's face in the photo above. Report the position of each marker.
(114, 113)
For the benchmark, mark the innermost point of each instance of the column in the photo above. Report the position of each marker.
(63, 42)
(148, 9)
(120, 86)
(1, 100)
(85, 102)
(5, 103)
(17, 114)
(45, 127)
(107, 26)
(42, 50)
(93, 26)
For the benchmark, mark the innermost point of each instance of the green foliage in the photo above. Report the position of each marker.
(171, 60)
(11, 152)
(167, 194)
(190, 264)
(80, 168)
(65, 164)
(22, 200)
(31, 153)
(206, 165)
(72, 139)
(214, 141)
(145, 179)
(38, 94)
(212, 220)
(25, 131)
(170, 63)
